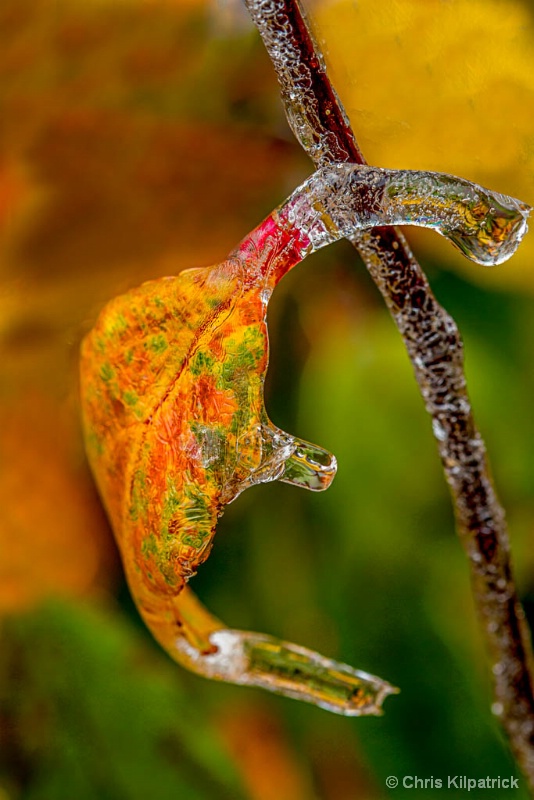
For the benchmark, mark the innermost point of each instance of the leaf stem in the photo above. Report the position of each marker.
(435, 349)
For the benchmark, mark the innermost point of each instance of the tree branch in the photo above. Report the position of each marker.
(435, 349)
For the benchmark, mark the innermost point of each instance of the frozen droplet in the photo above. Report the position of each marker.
(310, 467)
(265, 295)
(439, 431)
(341, 199)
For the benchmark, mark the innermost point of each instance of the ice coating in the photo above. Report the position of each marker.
(312, 107)
(172, 379)
(487, 227)
(435, 348)
(252, 659)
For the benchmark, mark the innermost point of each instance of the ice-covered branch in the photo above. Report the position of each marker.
(435, 349)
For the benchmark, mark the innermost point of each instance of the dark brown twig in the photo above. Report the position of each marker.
(436, 352)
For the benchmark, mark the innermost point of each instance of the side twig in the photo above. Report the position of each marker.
(435, 348)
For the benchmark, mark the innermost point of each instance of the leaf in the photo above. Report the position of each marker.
(120, 160)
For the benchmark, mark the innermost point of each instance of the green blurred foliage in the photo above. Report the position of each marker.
(141, 142)
(88, 713)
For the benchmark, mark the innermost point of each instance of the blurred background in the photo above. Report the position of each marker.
(140, 137)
